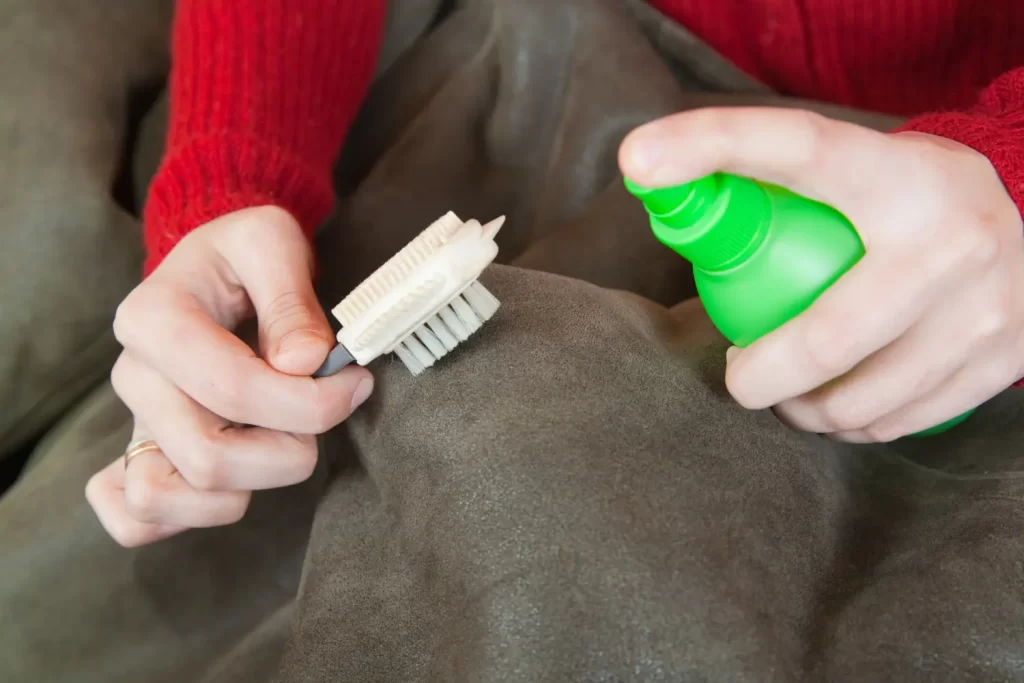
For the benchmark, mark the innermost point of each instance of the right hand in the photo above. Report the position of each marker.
(227, 420)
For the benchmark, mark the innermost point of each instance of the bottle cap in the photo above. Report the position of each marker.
(710, 221)
(661, 200)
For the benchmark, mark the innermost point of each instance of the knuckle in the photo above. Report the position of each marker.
(202, 472)
(816, 137)
(119, 377)
(931, 168)
(125, 538)
(203, 467)
(1001, 372)
(719, 128)
(994, 321)
(305, 458)
(324, 414)
(142, 497)
(128, 534)
(735, 387)
(125, 533)
(322, 421)
(127, 316)
(844, 416)
(227, 510)
(93, 489)
(715, 122)
(885, 432)
(979, 248)
(1000, 312)
(236, 511)
(827, 349)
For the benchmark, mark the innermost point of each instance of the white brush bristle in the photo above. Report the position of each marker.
(441, 333)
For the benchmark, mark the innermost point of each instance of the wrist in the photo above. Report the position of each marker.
(209, 177)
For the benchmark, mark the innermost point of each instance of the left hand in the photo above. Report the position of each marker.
(222, 416)
(929, 324)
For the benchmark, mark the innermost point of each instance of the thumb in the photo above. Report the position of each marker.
(273, 261)
(817, 157)
(295, 336)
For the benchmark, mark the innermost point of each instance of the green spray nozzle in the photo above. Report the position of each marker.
(661, 200)
(711, 221)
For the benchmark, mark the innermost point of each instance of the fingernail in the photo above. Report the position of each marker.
(730, 353)
(362, 392)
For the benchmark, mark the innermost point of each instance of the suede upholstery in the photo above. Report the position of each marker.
(570, 496)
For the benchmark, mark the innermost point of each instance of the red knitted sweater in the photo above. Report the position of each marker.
(262, 91)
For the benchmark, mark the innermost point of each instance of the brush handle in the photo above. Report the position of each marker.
(338, 358)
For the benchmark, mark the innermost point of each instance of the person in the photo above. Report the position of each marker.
(930, 323)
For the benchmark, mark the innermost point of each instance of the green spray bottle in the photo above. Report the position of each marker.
(761, 254)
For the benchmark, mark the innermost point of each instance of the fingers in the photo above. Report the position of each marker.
(842, 327)
(878, 300)
(906, 371)
(145, 500)
(197, 387)
(106, 495)
(828, 160)
(902, 387)
(174, 324)
(969, 387)
(295, 336)
(155, 493)
(167, 330)
(209, 453)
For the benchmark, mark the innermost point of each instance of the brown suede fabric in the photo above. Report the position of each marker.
(571, 495)
(68, 252)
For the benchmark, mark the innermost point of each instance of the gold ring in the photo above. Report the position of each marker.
(137, 448)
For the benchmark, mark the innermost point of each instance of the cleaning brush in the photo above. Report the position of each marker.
(422, 302)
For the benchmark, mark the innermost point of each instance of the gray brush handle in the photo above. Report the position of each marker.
(338, 358)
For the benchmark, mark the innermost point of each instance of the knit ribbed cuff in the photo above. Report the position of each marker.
(208, 178)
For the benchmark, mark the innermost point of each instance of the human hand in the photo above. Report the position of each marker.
(927, 325)
(227, 421)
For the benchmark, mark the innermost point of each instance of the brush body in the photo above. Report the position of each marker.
(423, 302)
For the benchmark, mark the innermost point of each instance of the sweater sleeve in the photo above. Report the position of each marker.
(261, 95)
(994, 127)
